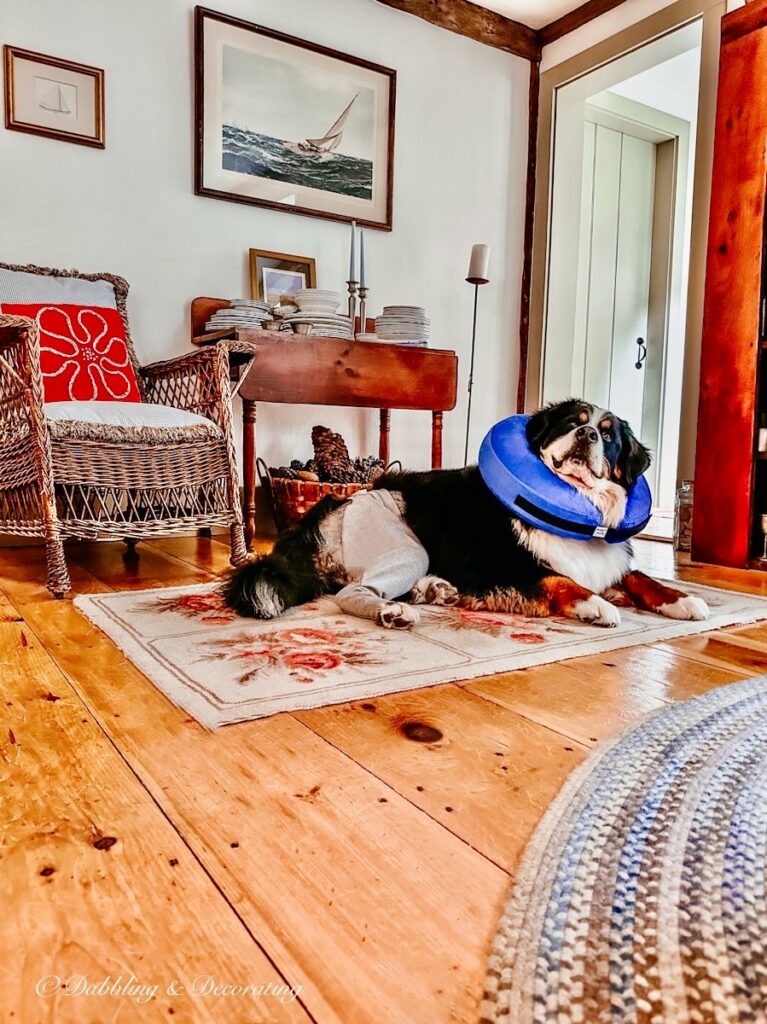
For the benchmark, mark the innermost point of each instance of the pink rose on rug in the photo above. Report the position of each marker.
(207, 606)
(482, 618)
(313, 661)
(508, 627)
(310, 636)
(307, 654)
(528, 638)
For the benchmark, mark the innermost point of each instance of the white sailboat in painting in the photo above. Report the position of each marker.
(326, 145)
(61, 106)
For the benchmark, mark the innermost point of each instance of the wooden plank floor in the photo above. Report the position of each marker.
(356, 869)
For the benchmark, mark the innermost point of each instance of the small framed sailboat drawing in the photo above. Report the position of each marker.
(54, 97)
(288, 124)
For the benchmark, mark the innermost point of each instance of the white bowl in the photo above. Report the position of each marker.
(315, 299)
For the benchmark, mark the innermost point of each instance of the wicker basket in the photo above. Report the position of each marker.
(291, 499)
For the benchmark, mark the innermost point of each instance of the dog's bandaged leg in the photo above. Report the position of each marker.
(383, 558)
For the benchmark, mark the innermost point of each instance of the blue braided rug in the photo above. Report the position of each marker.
(641, 896)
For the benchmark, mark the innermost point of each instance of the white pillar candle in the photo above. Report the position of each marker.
(479, 263)
(353, 253)
(362, 257)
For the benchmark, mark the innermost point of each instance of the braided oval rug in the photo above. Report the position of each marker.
(641, 896)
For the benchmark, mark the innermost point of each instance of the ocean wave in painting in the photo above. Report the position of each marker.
(265, 157)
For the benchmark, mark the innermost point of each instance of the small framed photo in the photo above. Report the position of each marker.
(273, 274)
(54, 97)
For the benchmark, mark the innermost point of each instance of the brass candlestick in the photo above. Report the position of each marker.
(363, 305)
(352, 286)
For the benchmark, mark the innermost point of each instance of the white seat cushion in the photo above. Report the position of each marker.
(127, 421)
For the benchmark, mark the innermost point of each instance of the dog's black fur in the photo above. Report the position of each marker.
(466, 531)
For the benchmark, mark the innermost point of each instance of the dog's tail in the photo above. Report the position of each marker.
(269, 586)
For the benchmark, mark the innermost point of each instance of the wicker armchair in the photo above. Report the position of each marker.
(95, 481)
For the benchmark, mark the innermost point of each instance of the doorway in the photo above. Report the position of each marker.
(619, 235)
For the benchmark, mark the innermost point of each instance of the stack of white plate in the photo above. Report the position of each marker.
(411, 342)
(316, 300)
(323, 325)
(240, 313)
(403, 324)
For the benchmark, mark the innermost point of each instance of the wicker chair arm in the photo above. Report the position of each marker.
(199, 382)
(21, 385)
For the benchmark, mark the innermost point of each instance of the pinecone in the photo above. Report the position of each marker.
(284, 473)
(368, 468)
(332, 456)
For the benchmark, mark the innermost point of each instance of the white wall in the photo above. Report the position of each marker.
(461, 144)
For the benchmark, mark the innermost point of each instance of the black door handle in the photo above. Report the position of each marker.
(641, 353)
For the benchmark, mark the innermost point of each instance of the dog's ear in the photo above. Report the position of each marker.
(539, 427)
(633, 459)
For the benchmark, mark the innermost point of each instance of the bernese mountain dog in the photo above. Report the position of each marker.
(442, 537)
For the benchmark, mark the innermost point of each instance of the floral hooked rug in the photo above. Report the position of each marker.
(222, 669)
(641, 896)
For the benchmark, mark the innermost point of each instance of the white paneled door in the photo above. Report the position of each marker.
(613, 287)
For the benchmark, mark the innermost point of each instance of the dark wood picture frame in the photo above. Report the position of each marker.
(201, 189)
(293, 263)
(13, 53)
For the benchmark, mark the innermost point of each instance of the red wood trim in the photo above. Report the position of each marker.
(527, 257)
(478, 23)
(724, 503)
(574, 19)
(746, 19)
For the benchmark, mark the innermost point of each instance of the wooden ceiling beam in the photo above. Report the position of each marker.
(574, 19)
(468, 19)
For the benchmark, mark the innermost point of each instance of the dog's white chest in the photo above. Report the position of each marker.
(594, 564)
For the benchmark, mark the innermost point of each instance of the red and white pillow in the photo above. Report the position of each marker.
(84, 350)
(84, 354)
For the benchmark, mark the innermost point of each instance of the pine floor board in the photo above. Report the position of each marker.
(94, 880)
(362, 898)
(367, 856)
(482, 771)
(592, 698)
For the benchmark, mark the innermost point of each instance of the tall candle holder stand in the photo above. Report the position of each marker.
(352, 286)
(476, 277)
(363, 308)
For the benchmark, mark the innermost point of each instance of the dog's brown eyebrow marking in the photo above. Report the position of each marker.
(583, 416)
(606, 424)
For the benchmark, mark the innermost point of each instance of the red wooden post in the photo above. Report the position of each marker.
(436, 440)
(249, 469)
(383, 436)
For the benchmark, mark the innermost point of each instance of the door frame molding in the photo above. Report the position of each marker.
(663, 22)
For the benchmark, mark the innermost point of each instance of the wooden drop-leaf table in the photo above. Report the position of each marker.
(325, 371)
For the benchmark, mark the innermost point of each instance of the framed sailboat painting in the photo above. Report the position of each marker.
(51, 96)
(291, 125)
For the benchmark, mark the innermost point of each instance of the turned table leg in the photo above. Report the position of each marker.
(249, 470)
(383, 436)
(436, 440)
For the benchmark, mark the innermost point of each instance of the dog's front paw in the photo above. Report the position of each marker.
(597, 612)
(690, 608)
(394, 615)
(434, 590)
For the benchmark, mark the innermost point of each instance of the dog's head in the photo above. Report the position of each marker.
(586, 445)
